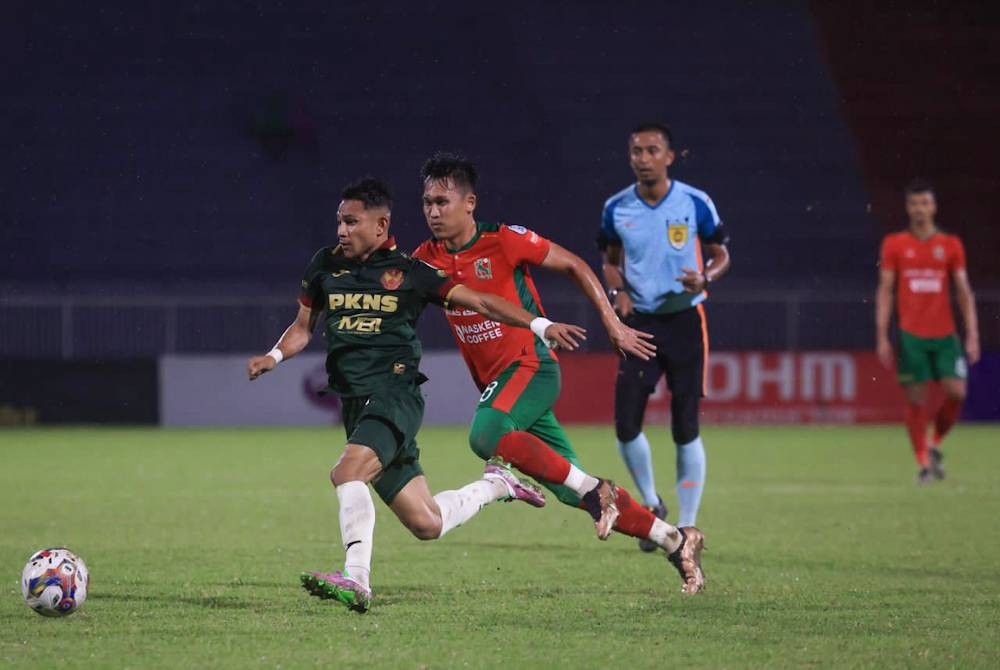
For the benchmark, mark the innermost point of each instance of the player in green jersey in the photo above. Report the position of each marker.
(370, 296)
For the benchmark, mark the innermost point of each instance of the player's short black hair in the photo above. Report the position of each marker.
(918, 186)
(655, 127)
(373, 193)
(444, 165)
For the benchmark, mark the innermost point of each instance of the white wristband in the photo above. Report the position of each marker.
(276, 355)
(538, 326)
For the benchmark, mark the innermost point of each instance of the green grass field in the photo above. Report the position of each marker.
(822, 553)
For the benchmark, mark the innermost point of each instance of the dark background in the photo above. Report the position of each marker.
(196, 150)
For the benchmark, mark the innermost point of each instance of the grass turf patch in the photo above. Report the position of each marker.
(822, 552)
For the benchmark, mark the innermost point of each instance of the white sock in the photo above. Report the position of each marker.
(665, 535)
(459, 506)
(580, 481)
(357, 529)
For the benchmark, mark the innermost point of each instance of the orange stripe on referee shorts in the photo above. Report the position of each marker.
(513, 389)
(704, 343)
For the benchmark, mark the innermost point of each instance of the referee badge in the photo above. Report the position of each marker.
(677, 233)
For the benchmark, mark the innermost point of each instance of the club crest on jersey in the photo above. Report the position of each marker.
(939, 253)
(484, 269)
(520, 230)
(677, 233)
(392, 279)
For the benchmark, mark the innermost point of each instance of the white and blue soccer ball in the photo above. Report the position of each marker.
(54, 582)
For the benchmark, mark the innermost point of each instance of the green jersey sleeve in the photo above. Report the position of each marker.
(310, 293)
(431, 284)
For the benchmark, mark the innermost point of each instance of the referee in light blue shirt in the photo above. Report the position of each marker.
(654, 237)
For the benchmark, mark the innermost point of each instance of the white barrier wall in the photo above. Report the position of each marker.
(214, 391)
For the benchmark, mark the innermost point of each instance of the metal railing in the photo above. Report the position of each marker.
(105, 326)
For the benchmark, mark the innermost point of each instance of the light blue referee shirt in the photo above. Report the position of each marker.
(659, 242)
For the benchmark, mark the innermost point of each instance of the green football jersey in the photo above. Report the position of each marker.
(370, 314)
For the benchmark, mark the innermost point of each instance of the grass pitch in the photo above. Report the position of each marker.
(822, 553)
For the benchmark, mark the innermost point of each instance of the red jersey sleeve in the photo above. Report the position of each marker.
(521, 245)
(956, 259)
(890, 254)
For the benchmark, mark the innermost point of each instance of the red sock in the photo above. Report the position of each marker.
(533, 457)
(633, 519)
(916, 424)
(946, 417)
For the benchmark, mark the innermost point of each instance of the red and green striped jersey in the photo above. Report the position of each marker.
(923, 280)
(495, 261)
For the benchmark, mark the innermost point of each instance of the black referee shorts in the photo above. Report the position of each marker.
(681, 342)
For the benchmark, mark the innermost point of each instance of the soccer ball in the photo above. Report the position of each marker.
(54, 582)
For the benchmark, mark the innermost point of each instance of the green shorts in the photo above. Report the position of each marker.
(387, 423)
(521, 399)
(930, 359)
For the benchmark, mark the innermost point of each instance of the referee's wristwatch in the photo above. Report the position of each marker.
(613, 293)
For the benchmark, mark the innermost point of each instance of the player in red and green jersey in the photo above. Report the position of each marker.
(518, 376)
(370, 296)
(923, 262)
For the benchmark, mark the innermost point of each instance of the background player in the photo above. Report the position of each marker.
(922, 262)
(372, 296)
(652, 235)
(519, 378)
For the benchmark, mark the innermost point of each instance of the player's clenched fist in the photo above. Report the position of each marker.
(258, 365)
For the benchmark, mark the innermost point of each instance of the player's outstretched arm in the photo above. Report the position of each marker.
(295, 338)
(625, 339)
(883, 313)
(967, 306)
(563, 335)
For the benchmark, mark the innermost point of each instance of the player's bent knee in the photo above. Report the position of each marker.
(685, 436)
(684, 424)
(626, 432)
(484, 445)
(358, 463)
(916, 394)
(488, 429)
(685, 432)
(956, 393)
(425, 527)
(343, 473)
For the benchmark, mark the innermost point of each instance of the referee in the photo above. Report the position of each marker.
(654, 236)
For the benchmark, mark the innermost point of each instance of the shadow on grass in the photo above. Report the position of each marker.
(208, 602)
(521, 547)
(243, 583)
